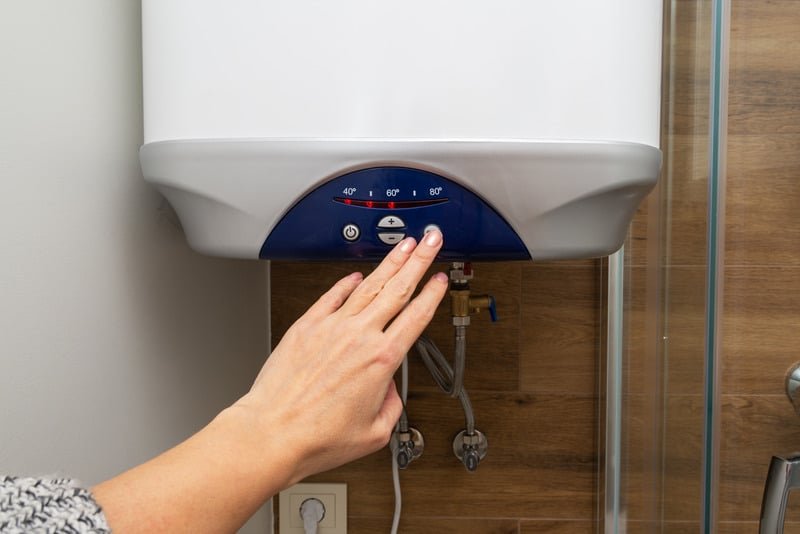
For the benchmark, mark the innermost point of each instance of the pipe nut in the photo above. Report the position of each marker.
(461, 321)
(471, 441)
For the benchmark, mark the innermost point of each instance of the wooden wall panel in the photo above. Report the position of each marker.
(439, 525)
(754, 427)
(531, 378)
(558, 527)
(761, 331)
(749, 527)
(762, 224)
(493, 348)
(761, 328)
(683, 457)
(561, 316)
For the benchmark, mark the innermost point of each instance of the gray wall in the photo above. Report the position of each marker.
(116, 340)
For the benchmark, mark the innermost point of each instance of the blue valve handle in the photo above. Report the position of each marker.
(492, 309)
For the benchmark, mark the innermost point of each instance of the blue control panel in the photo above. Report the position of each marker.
(361, 215)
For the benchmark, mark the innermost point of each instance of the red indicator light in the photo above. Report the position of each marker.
(389, 204)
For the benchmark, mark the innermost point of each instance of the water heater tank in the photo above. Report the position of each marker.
(331, 129)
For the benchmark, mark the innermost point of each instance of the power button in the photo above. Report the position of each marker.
(351, 232)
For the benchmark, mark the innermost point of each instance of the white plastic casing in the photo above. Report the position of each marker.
(547, 109)
(433, 69)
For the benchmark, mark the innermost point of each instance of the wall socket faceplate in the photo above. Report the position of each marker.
(332, 496)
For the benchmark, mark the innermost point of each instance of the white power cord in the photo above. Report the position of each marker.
(398, 496)
(398, 499)
(312, 511)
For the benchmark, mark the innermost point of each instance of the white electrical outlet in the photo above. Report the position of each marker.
(332, 496)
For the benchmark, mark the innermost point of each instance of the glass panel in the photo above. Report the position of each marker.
(761, 335)
(663, 312)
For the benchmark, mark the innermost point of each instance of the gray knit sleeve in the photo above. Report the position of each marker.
(41, 505)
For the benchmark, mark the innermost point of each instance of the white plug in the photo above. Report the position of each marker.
(332, 496)
(312, 511)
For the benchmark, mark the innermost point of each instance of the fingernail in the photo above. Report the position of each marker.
(407, 245)
(433, 238)
(356, 276)
(440, 277)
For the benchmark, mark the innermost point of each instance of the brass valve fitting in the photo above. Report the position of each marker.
(479, 302)
(462, 302)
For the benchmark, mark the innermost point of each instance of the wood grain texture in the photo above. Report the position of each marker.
(642, 527)
(661, 474)
(558, 527)
(685, 320)
(492, 348)
(793, 509)
(762, 223)
(764, 80)
(640, 473)
(294, 286)
(686, 65)
(664, 331)
(433, 525)
(683, 457)
(666, 256)
(641, 345)
(561, 315)
(638, 241)
(664, 325)
(685, 203)
(751, 527)
(754, 428)
(541, 461)
(761, 328)
(762, 220)
(680, 527)
(684, 137)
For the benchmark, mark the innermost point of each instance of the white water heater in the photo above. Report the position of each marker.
(331, 129)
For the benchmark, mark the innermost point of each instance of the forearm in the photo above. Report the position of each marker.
(212, 482)
(324, 397)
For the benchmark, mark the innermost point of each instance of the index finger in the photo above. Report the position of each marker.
(408, 326)
(397, 291)
(373, 284)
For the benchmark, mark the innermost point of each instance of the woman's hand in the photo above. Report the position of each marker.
(328, 384)
(324, 397)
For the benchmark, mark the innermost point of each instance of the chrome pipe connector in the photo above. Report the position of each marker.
(470, 449)
(407, 446)
(792, 386)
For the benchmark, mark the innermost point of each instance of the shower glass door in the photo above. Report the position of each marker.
(657, 428)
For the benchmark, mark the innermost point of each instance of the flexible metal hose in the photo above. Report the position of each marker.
(449, 380)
